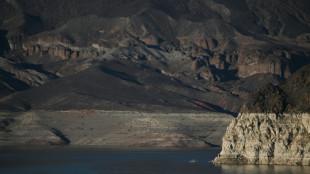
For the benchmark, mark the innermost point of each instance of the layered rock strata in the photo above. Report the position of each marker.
(254, 47)
(273, 126)
(215, 48)
(258, 138)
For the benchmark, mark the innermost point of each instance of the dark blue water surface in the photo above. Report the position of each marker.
(62, 160)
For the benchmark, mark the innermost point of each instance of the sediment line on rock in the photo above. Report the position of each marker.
(267, 138)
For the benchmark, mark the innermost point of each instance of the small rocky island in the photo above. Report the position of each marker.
(273, 126)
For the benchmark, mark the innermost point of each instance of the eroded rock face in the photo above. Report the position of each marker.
(257, 138)
(199, 43)
(63, 52)
(92, 31)
(273, 126)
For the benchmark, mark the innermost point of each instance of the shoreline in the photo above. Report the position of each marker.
(114, 128)
(102, 149)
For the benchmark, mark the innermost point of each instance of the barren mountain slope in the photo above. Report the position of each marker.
(217, 51)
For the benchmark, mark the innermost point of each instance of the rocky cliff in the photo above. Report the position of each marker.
(273, 126)
(258, 138)
(215, 34)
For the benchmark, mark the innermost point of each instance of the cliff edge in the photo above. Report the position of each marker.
(273, 126)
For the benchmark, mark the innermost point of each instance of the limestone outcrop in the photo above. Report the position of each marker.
(63, 52)
(273, 126)
(267, 138)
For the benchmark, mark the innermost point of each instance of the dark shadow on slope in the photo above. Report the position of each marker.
(61, 136)
(37, 68)
(186, 85)
(33, 24)
(212, 107)
(14, 84)
(211, 145)
(120, 75)
(297, 62)
(4, 44)
(5, 123)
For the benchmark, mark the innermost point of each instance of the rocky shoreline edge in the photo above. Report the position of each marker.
(267, 138)
(273, 126)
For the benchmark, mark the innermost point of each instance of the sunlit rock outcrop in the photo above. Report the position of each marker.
(273, 126)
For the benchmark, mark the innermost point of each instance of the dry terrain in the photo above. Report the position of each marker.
(113, 128)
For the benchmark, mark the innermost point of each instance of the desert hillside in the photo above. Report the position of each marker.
(147, 54)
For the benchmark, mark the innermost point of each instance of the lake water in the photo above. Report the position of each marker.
(63, 160)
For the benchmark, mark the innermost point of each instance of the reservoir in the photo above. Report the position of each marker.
(64, 160)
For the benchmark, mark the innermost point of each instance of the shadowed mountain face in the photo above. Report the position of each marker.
(293, 95)
(147, 54)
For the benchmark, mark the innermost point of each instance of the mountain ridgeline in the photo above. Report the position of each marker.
(173, 54)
